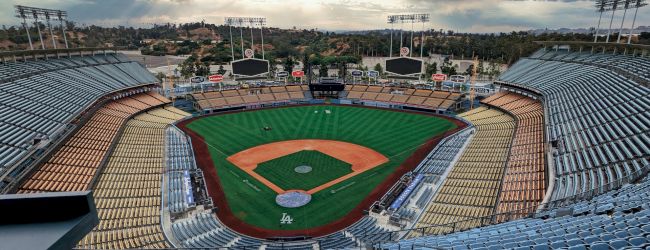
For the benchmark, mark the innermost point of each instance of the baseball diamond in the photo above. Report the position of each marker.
(374, 142)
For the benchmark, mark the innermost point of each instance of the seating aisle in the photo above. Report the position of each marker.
(523, 184)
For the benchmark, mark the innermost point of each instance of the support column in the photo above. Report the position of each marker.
(390, 54)
(598, 28)
(65, 38)
(609, 31)
(29, 37)
(252, 41)
(49, 26)
(629, 38)
(40, 37)
(620, 30)
(241, 39)
(411, 49)
(232, 47)
(262, 37)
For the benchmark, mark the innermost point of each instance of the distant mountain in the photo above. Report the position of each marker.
(603, 30)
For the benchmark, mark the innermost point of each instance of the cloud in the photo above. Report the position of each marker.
(461, 15)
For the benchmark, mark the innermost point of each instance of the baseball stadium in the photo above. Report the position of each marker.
(99, 151)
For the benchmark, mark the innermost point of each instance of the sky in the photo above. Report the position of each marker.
(483, 16)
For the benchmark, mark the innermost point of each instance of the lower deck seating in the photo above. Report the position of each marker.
(179, 161)
(128, 193)
(75, 164)
(616, 220)
(523, 184)
(471, 188)
(203, 230)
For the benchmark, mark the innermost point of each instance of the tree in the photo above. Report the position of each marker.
(379, 69)
(322, 70)
(288, 64)
(431, 68)
(469, 70)
(202, 69)
(221, 70)
(447, 67)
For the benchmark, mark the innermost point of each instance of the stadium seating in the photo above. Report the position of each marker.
(615, 220)
(421, 98)
(179, 158)
(128, 192)
(203, 230)
(523, 185)
(76, 163)
(38, 99)
(471, 188)
(253, 96)
(437, 162)
(598, 118)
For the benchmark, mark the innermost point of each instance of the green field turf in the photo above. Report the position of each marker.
(281, 171)
(394, 134)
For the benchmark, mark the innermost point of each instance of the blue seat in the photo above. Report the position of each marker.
(637, 241)
(558, 244)
(618, 244)
(591, 239)
(599, 246)
(607, 237)
(540, 247)
(575, 242)
(621, 234)
(578, 247)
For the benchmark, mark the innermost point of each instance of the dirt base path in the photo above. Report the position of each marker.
(361, 158)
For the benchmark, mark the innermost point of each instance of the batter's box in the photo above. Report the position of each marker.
(359, 158)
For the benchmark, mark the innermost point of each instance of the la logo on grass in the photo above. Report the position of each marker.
(286, 219)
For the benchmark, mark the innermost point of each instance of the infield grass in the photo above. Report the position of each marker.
(394, 134)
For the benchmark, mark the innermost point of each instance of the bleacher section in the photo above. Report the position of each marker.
(421, 98)
(598, 118)
(471, 188)
(253, 96)
(39, 98)
(616, 220)
(75, 164)
(523, 184)
(128, 192)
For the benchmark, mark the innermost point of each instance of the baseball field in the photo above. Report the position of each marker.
(258, 154)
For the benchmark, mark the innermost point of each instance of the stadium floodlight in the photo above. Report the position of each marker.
(250, 22)
(636, 5)
(407, 18)
(614, 5)
(25, 12)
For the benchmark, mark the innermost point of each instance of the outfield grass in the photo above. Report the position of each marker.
(281, 171)
(394, 134)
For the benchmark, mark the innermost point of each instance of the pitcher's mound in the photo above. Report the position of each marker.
(303, 169)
